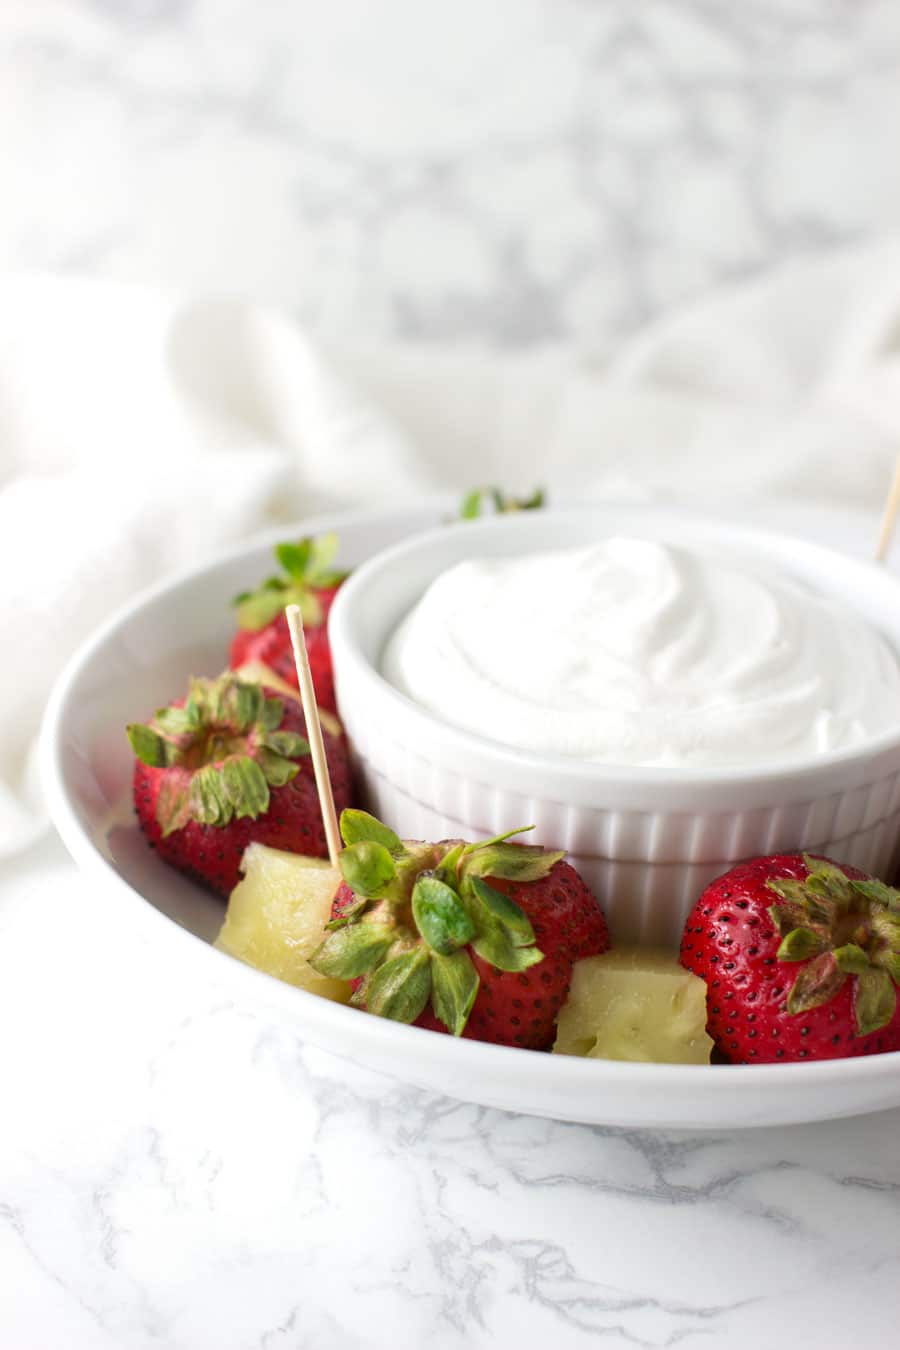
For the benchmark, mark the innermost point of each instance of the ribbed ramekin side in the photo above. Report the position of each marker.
(646, 867)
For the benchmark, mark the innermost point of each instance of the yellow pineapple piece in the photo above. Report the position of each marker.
(635, 1004)
(277, 915)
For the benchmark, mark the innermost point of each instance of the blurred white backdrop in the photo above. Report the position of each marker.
(516, 172)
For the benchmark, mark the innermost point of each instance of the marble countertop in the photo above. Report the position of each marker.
(176, 1174)
(510, 173)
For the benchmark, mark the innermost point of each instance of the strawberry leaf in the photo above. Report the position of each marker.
(454, 987)
(440, 915)
(498, 838)
(276, 769)
(817, 983)
(828, 880)
(237, 704)
(295, 558)
(497, 906)
(353, 950)
(494, 945)
(886, 926)
(367, 867)
(348, 914)
(877, 892)
(288, 744)
(245, 786)
(151, 748)
(258, 608)
(473, 502)
(801, 907)
(176, 722)
(400, 988)
(446, 869)
(173, 806)
(209, 800)
(357, 826)
(851, 959)
(470, 507)
(321, 572)
(787, 916)
(800, 944)
(874, 1001)
(511, 862)
(271, 714)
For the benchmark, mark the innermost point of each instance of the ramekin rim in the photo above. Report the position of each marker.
(345, 640)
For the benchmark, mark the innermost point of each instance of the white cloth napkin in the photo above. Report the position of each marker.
(140, 432)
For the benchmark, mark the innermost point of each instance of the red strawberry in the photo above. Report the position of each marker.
(227, 766)
(800, 956)
(475, 939)
(310, 582)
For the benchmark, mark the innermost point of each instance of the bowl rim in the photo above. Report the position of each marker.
(459, 742)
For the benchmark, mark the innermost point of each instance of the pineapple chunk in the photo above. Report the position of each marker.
(277, 915)
(635, 1004)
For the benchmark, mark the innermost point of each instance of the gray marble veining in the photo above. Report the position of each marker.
(175, 1172)
(507, 173)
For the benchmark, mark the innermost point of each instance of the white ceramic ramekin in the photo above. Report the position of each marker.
(646, 839)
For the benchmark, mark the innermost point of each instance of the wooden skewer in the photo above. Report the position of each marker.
(891, 507)
(314, 733)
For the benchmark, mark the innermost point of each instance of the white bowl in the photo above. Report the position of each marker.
(646, 839)
(144, 654)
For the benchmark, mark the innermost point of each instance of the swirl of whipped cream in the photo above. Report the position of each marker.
(635, 652)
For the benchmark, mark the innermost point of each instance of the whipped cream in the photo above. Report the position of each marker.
(634, 652)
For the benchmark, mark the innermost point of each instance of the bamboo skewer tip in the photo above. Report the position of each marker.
(889, 516)
(314, 733)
